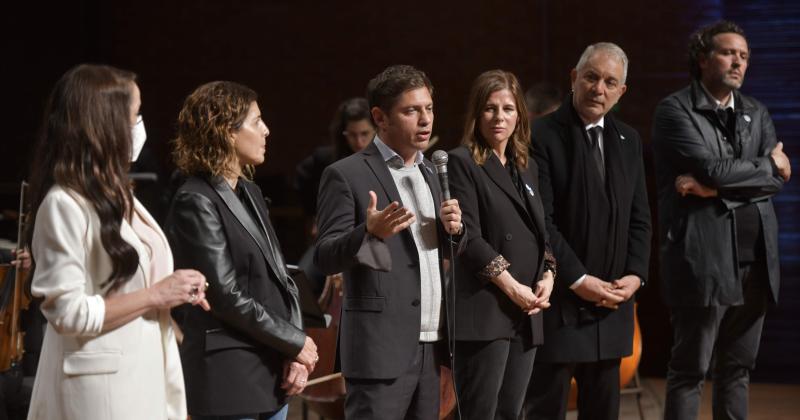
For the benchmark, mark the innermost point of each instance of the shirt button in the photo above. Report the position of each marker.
(508, 236)
(415, 302)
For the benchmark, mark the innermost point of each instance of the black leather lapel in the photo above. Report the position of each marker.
(262, 217)
(235, 206)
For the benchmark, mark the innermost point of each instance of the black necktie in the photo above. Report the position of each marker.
(594, 137)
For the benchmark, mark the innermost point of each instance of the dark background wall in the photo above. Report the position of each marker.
(304, 57)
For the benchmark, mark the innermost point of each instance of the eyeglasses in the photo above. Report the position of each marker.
(350, 135)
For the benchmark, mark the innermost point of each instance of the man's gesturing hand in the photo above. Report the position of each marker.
(392, 219)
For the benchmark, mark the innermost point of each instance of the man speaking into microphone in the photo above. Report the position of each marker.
(384, 223)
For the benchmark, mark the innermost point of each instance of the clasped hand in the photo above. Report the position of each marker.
(608, 294)
(530, 300)
(295, 377)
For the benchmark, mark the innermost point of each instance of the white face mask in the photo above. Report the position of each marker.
(138, 135)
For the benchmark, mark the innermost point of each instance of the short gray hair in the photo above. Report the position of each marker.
(608, 48)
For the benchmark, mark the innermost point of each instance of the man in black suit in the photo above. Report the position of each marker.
(393, 321)
(719, 164)
(592, 183)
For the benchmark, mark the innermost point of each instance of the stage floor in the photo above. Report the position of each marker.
(767, 402)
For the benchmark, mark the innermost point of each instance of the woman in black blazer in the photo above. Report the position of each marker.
(506, 273)
(244, 357)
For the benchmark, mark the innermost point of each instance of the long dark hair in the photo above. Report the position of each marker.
(85, 146)
(483, 86)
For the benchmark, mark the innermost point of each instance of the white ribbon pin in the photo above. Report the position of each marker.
(530, 190)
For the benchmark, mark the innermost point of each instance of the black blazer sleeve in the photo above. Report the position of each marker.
(198, 238)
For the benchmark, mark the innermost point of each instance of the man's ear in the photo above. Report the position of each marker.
(379, 117)
(702, 61)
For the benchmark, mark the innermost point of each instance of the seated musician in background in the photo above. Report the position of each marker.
(243, 358)
(14, 395)
(350, 131)
(541, 99)
(102, 266)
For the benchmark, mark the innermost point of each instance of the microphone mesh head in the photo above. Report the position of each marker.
(439, 157)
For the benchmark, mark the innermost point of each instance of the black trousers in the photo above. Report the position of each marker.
(413, 395)
(491, 377)
(728, 334)
(598, 390)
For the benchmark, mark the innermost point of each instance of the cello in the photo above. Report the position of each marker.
(14, 298)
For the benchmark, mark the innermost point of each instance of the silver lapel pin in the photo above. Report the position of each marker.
(530, 190)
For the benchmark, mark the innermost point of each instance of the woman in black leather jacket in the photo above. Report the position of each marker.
(243, 358)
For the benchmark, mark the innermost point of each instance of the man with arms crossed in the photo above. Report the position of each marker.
(383, 222)
(718, 165)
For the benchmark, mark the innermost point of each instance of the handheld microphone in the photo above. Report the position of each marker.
(439, 159)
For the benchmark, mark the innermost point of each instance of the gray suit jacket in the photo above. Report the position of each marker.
(380, 324)
(699, 264)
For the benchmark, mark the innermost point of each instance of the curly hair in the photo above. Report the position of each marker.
(209, 116)
(85, 146)
(701, 43)
(483, 86)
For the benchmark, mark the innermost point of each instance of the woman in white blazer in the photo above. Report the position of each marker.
(101, 264)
